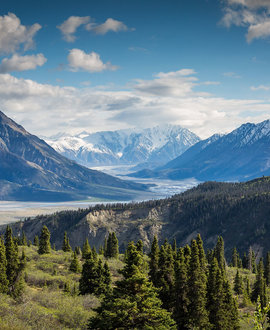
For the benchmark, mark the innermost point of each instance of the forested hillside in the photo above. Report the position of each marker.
(170, 287)
(240, 212)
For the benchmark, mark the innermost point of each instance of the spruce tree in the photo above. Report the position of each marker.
(44, 241)
(259, 289)
(114, 246)
(235, 258)
(139, 246)
(3, 268)
(134, 303)
(238, 283)
(65, 245)
(267, 269)
(201, 252)
(219, 253)
(181, 292)
(90, 279)
(75, 265)
(11, 257)
(153, 263)
(36, 241)
(198, 315)
(86, 250)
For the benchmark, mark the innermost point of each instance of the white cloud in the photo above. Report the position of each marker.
(13, 34)
(260, 87)
(91, 62)
(109, 25)
(46, 109)
(254, 15)
(70, 26)
(21, 63)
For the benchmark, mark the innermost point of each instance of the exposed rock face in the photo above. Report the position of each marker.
(239, 212)
(32, 170)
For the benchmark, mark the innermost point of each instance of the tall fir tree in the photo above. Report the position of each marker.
(267, 269)
(238, 283)
(3, 268)
(44, 241)
(134, 303)
(153, 263)
(36, 241)
(259, 288)
(65, 245)
(75, 265)
(219, 253)
(235, 258)
(11, 257)
(198, 314)
(181, 292)
(86, 250)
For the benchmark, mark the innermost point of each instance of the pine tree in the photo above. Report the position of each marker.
(86, 250)
(259, 289)
(166, 276)
(90, 280)
(139, 246)
(65, 245)
(238, 283)
(44, 241)
(114, 246)
(11, 258)
(198, 315)
(267, 269)
(3, 268)
(219, 253)
(201, 252)
(181, 292)
(78, 250)
(153, 263)
(36, 241)
(75, 265)
(235, 258)
(107, 278)
(134, 303)
(94, 253)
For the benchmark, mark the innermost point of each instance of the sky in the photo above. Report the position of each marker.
(70, 66)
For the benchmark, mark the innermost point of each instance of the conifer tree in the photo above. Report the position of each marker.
(267, 269)
(114, 246)
(198, 315)
(166, 276)
(219, 253)
(75, 265)
(3, 268)
(44, 241)
(238, 283)
(134, 303)
(259, 289)
(235, 258)
(78, 250)
(231, 320)
(201, 252)
(181, 292)
(65, 245)
(86, 250)
(139, 246)
(90, 280)
(36, 241)
(106, 278)
(153, 263)
(11, 257)
(245, 261)
(24, 239)
(94, 253)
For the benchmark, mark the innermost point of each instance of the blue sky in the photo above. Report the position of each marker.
(96, 65)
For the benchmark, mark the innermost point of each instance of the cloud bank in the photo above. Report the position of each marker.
(170, 97)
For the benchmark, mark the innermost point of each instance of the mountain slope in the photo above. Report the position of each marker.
(152, 145)
(240, 155)
(240, 212)
(30, 164)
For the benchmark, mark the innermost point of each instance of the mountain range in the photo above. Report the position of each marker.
(32, 170)
(241, 155)
(151, 146)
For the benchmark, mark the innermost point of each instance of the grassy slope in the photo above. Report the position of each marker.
(45, 305)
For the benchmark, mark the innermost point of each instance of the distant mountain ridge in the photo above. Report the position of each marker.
(240, 155)
(154, 145)
(32, 170)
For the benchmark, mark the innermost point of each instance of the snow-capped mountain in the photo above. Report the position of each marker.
(242, 154)
(154, 145)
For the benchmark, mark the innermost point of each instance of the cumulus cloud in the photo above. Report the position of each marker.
(109, 25)
(70, 26)
(254, 15)
(91, 62)
(46, 109)
(14, 35)
(22, 63)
